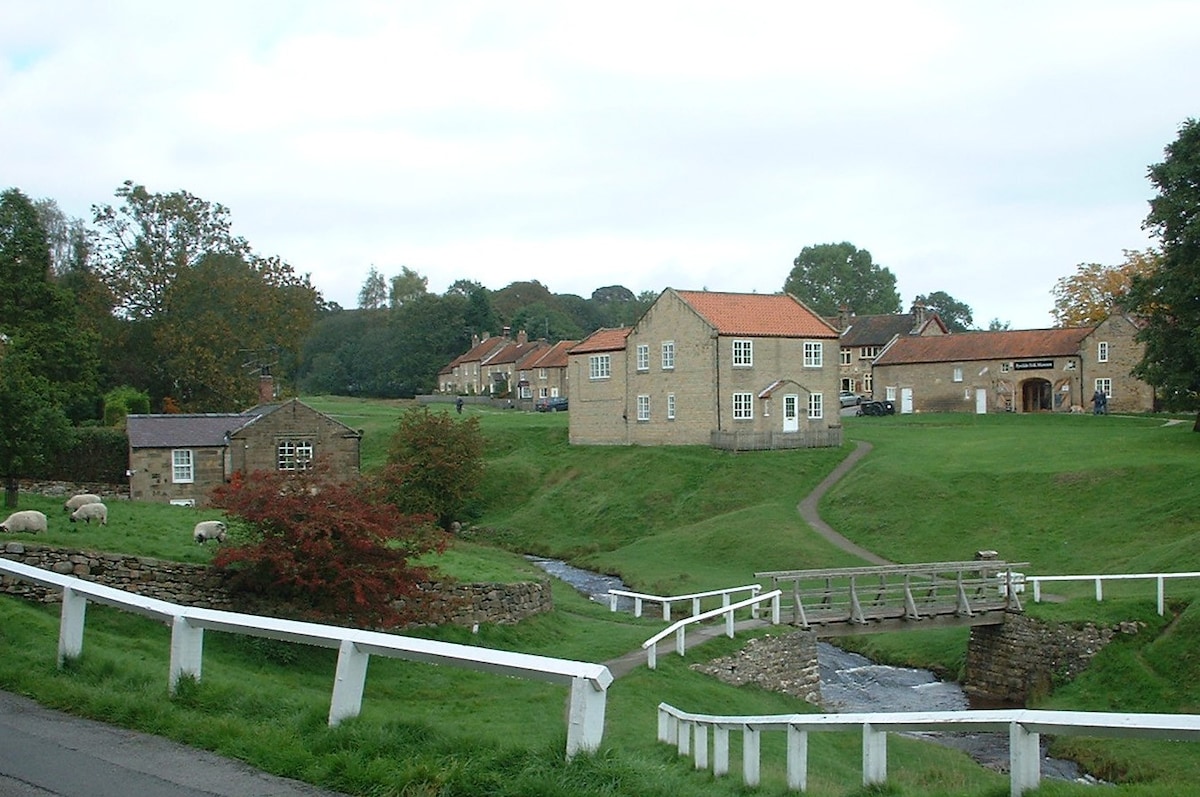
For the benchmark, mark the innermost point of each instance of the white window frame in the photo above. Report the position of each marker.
(668, 355)
(670, 406)
(958, 373)
(890, 393)
(293, 455)
(643, 356)
(183, 466)
(643, 408)
(816, 406)
(1104, 385)
(743, 354)
(542, 374)
(814, 354)
(600, 366)
(1005, 367)
(743, 406)
(847, 356)
(868, 384)
(1102, 351)
(869, 352)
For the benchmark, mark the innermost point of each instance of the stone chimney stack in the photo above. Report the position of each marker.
(844, 317)
(474, 341)
(266, 388)
(522, 338)
(505, 331)
(919, 311)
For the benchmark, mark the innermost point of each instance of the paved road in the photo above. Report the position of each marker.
(46, 753)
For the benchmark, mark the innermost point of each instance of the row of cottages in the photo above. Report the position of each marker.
(705, 368)
(521, 369)
(864, 337)
(180, 458)
(1034, 370)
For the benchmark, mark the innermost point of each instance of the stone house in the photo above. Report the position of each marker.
(506, 371)
(863, 337)
(1033, 370)
(464, 374)
(180, 458)
(548, 373)
(707, 368)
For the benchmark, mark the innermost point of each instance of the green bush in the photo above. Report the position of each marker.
(89, 454)
(122, 401)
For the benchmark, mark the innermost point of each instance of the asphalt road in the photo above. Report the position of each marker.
(46, 753)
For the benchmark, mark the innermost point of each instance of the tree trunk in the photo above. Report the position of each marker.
(10, 492)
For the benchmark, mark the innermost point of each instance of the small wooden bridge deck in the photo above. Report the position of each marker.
(862, 600)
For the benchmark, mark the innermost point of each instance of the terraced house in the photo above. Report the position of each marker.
(732, 370)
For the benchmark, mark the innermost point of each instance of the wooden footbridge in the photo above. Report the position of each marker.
(865, 600)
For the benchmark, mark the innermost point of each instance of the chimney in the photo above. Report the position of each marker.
(918, 309)
(844, 317)
(522, 338)
(474, 341)
(266, 389)
(505, 331)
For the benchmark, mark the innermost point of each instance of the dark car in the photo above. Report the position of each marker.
(849, 398)
(877, 408)
(552, 404)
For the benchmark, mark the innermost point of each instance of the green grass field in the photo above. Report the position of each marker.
(1069, 494)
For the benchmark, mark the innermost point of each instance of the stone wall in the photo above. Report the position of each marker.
(786, 664)
(197, 585)
(1025, 658)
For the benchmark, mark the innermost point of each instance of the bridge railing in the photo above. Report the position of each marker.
(679, 627)
(695, 598)
(1159, 578)
(690, 732)
(588, 682)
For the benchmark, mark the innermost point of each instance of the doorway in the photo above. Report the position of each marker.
(1036, 395)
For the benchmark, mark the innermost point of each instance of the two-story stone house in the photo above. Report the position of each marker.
(464, 375)
(548, 375)
(1033, 370)
(700, 367)
(506, 372)
(863, 337)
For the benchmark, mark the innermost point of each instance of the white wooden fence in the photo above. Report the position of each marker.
(679, 627)
(696, 597)
(690, 732)
(1160, 578)
(588, 682)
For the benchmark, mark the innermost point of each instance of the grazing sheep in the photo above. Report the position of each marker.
(76, 501)
(27, 520)
(209, 530)
(89, 512)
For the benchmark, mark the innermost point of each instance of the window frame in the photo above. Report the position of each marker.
(670, 406)
(816, 406)
(1104, 385)
(643, 408)
(642, 353)
(743, 406)
(668, 355)
(846, 355)
(1102, 351)
(814, 354)
(292, 455)
(599, 366)
(743, 353)
(957, 375)
(183, 472)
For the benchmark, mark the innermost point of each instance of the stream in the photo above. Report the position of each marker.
(853, 683)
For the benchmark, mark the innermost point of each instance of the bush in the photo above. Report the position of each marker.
(89, 454)
(122, 401)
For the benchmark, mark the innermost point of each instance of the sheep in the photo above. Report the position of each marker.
(209, 530)
(76, 501)
(27, 520)
(89, 512)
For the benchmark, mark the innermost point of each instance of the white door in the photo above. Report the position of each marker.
(981, 401)
(906, 400)
(791, 413)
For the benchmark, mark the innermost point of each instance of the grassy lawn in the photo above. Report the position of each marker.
(1069, 494)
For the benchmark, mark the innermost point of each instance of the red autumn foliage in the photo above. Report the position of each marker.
(325, 545)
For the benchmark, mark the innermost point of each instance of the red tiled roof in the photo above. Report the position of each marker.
(555, 356)
(966, 346)
(602, 340)
(758, 315)
(514, 353)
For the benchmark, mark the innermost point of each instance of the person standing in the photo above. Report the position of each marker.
(458, 402)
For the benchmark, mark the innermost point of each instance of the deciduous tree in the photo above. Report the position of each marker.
(373, 295)
(956, 315)
(828, 277)
(1088, 296)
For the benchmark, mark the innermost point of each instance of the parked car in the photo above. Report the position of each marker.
(849, 398)
(551, 404)
(877, 408)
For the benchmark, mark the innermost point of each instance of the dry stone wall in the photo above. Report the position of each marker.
(786, 664)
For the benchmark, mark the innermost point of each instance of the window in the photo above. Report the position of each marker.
(542, 374)
(543, 392)
(743, 353)
(869, 352)
(868, 381)
(1102, 351)
(294, 454)
(183, 468)
(743, 406)
(1005, 368)
(847, 385)
(600, 366)
(643, 408)
(958, 374)
(814, 354)
(643, 357)
(1070, 366)
(816, 406)
(668, 355)
(1104, 386)
(670, 406)
(846, 355)
(890, 392)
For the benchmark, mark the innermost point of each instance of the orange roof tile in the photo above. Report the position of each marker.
(777, 315)
(555, 356)
(602, 340)
(967, 346)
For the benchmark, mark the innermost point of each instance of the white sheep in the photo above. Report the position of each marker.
(89, 512)
(76, 501)
(27, 520)
(209, 530)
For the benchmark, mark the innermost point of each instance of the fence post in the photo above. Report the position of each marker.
(874, 755)
(187, 651)
(1160, 596)
(70, 625)
(797, 758)
(683, 743)
(750, 755)
(664, 724)
(680, 643)
(1099, 589)
(652, 656)
(720, 751)
(700, 748)
(585, 722)
(775, 610)
(729, 624)
(1024, 759)
(754, 607)
(637, 607)
(348, 682)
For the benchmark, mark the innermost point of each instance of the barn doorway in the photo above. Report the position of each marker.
(1036, 396)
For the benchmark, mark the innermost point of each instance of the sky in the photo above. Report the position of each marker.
(982, 149)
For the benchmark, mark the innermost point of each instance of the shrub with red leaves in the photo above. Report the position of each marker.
(324, 545)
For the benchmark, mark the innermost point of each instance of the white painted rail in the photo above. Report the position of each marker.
(689, 733)
(588, 682)
(679, 627)
(666, 600)
(1159, 578)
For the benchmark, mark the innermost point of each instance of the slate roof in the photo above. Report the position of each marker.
(777, 315)
(877, 330)
(968, 346)
(180, 430)
(602, 339)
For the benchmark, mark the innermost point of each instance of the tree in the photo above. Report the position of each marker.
(329, 545)
(1166, 298)
(66, 237)
(955, 315)
(373, 295)
(32, 425)
(407, 286)
(828, 277)
(996, 325)
(1088, 296)
(434, 465)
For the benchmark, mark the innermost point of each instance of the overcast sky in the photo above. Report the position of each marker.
(984, 149)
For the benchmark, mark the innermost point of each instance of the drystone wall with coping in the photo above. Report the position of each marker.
(197, 585)
(786, 664)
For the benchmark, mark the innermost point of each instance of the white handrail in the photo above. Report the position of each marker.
(689, 732)
(679, 626)
(588, 682)
(1099, 580)
(667, 600)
